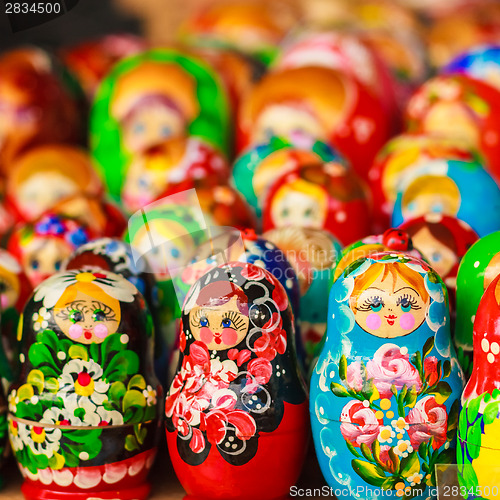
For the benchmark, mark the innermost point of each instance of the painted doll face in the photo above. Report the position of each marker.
(150, 124)
(290, 122)
(33, 201)
(297, 209)
(87, 319)
(9, 289)
(454, 120)
(43, 257)
(441, 258)
(390, 308)
(219, 327)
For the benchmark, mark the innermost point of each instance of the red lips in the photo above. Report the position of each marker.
(390, 319)
(87, 334)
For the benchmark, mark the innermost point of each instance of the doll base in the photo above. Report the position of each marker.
(34, 492)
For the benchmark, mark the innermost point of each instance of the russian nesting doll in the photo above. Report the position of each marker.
(42, 247)
(322, 196)
(156, 95)
(460, 107)
(237, 400)
(478, 268)
(259, 166)
(316, 103)
(62, 170)
(172, 161)
(84, 412)
(117, 256)
(15, 290)
(313, 254)
(443, 241)
(384, 393)
(396, 161)
(478, 452)
(450, 187)
(392, 239)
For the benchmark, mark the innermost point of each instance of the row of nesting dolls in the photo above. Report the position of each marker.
(237, 399)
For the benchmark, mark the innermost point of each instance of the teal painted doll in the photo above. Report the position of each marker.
(384, 393)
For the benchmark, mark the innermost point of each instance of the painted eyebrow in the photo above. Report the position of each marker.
(375, 288)
(74, 302)
(407, 287)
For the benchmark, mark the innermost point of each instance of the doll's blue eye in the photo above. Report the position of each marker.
(203, 321)
(57, 265)
(226, 323)
(405, 304)
(35, 264)
(139, 128)
(436, 257)
(143, 182)
(75, 316)
(308, 212)
(437, 208)
(376, 307)
(165, 132)
(174, 252)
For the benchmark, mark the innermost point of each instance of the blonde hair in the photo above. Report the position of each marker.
(395, 269)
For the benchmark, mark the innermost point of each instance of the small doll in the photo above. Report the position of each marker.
(478, 268)
(14, 292)
(84, 412)
(396, 161)
(252, 27)
(443, 242)
(173, 161)
(450, 187)
(260, 166)
(149, 98)
(322, 196)
(237, 400)
(313, 254)
(461, 108)
(384, 392)
(35, 105)
(315, 103)
(90, 61)
(41, 247)
(46, 175)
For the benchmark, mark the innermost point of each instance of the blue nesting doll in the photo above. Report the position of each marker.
(384, 393)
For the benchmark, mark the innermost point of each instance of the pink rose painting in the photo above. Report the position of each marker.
(359, 424)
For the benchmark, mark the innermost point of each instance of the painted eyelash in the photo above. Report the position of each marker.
(235, 319)
(196, 321)
(366, 305)
(411, 300)
(74, 306)
(107, 311)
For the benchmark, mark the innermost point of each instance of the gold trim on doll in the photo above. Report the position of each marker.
(389, 300)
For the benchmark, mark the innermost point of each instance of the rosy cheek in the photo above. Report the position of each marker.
(4, 301)
(229, 336)
(407, 321)
(206, 335)
(101, 331)
(75, 331)
(373, 321)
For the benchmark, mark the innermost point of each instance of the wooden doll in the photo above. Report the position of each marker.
(237, 400)
(479, 267)
(83, 414)
(384, 393)
(478, 451)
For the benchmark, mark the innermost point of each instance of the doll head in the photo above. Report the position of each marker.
(389, 300)
(85, 305)
(63, 171)
(43, 246)
(14, 286)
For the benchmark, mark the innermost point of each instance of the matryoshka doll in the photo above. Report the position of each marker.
(237, 400)
(322, 196)
(397, 159)
(459, 107)
(35, 106)
(478, 268)
(260, 166)
(316, 103)
(15, 290)
(384, 392)
(117, 256)
(450, 187)
(478, 450)
(252, 27)
(148, 98)
(313, 254)
(42, 246)
(45, 175)
(84, 412)
(443, 242)
(153, 171)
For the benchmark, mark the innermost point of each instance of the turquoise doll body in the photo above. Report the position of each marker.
(385, 390)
